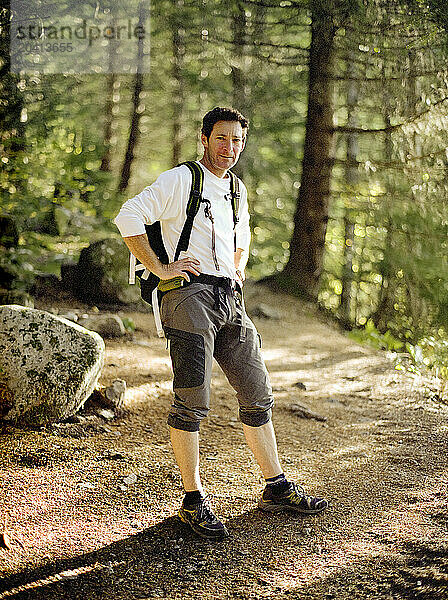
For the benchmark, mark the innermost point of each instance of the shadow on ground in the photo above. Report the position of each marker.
(168, 561)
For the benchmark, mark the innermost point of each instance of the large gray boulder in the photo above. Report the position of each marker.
(102, 274)
(48, 366)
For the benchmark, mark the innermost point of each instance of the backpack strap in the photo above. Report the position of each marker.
(194, 201)
(235, 196)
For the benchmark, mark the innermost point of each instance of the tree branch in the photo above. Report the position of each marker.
(344, 129)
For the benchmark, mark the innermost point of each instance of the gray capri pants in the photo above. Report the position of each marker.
(203, 322)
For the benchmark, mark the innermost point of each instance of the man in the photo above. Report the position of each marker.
(205, 319)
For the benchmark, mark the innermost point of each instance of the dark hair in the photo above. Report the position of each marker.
(220, 113)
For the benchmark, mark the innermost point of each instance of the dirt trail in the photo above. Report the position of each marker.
(91, 509)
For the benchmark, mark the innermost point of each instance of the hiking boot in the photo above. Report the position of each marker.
(201, 519)
(293, 498)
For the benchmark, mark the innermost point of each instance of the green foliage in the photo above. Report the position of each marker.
(18, 263)
(428, 356)
(395, 195)
(129, 324)
(431, 353)
(371, 336)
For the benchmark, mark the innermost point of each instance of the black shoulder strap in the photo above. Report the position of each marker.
(194, 201)
(235, 196)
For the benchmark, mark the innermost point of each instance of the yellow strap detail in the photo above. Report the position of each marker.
(165, 285)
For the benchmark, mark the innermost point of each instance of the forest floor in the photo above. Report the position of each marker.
(91, 509)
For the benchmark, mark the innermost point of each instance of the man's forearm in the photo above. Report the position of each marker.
(240, 259)
(141, 249)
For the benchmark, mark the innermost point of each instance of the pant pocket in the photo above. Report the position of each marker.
(187, 351)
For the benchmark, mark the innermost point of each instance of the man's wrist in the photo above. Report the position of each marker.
(163, 272)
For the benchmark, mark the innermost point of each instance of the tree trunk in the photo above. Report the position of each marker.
(239, 25)
(12, 125)
(108, 108)
(135, 117)
(240, 89)
(108, 119)
(386, 299)
(301, 274)
(178, 97)
(351, 178)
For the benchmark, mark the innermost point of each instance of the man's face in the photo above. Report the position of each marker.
(224, 146)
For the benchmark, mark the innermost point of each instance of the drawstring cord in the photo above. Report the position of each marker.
(243, 321)
(208, 214)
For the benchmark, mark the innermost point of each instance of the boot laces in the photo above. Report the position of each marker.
(205, 512)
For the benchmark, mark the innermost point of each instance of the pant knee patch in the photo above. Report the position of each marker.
(255, 418)
(176, 423)
(187, 351)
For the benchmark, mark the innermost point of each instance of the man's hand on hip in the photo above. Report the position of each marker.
(180, 268)
(141, 249)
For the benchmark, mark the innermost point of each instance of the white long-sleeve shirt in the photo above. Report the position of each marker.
(166, 201)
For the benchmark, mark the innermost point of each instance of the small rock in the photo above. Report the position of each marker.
(106, 414)
(39, 458)
(115, 392)
(70, 316)
(300, 385)
(130, 479)
(74, 419)
(86, 486)
(110, 455)
(108, 326)
(264, 311)
(334, 401)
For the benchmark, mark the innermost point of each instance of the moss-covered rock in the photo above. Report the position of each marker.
(102, 274)
(48, 366)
